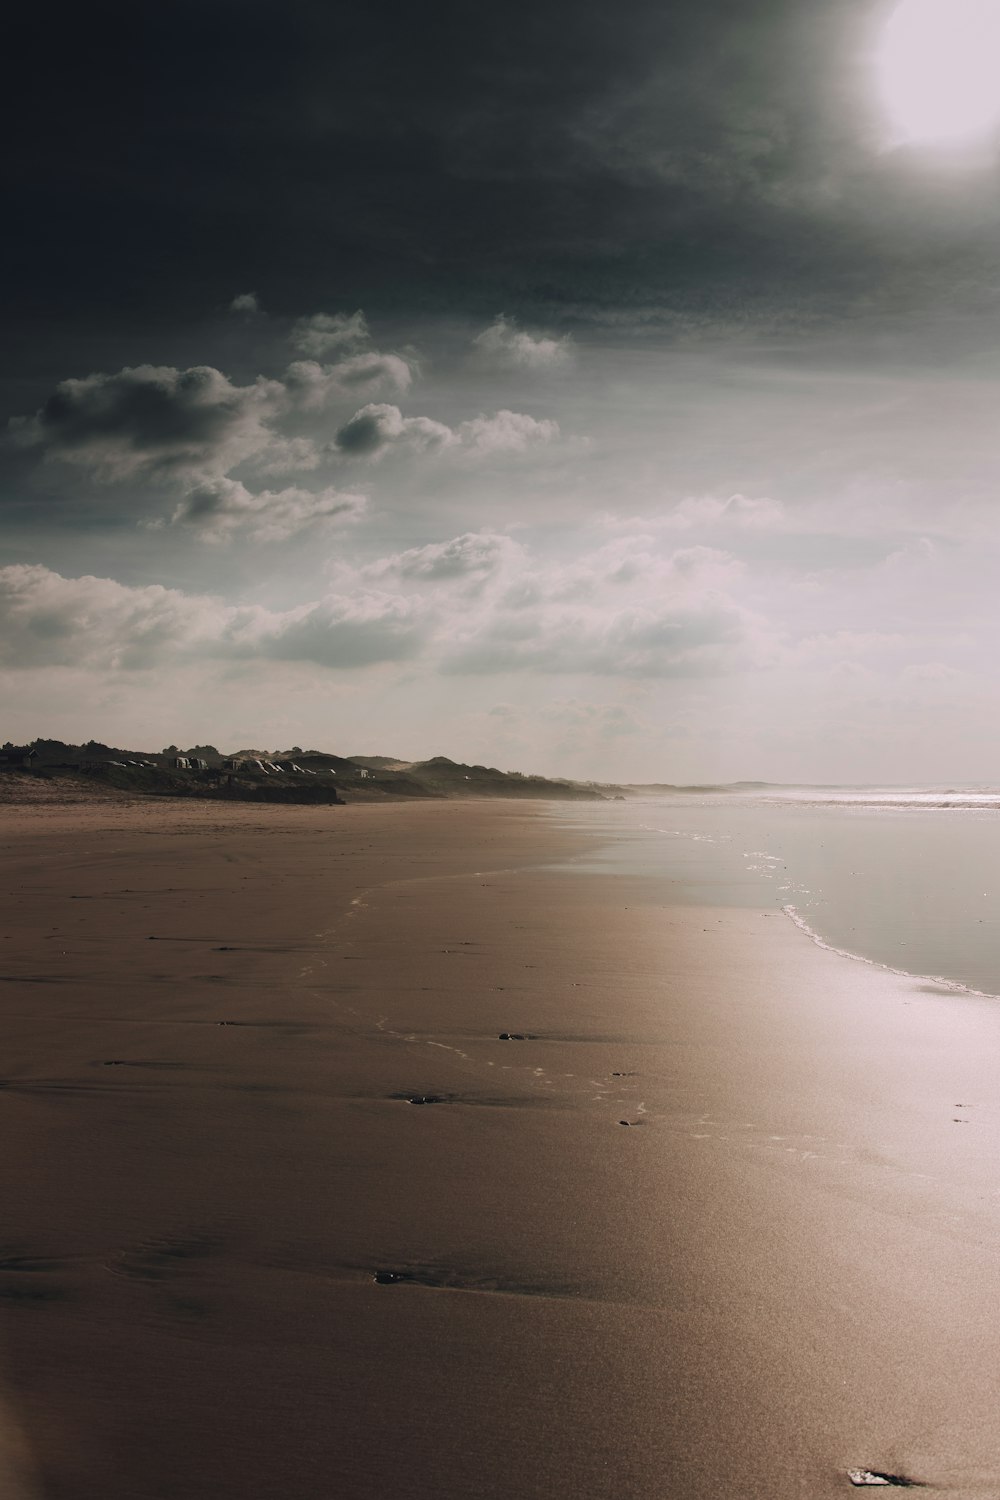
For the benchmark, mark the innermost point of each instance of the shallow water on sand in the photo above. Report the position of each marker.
(909, 880)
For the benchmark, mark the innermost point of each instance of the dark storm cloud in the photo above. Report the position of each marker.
(380, 425)
(694, 158)
(180, 433)
(363, 434)
(153, 418)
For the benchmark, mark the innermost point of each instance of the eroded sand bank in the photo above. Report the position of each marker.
(212, 1023)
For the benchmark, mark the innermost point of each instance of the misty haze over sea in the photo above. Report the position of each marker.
(904, 877)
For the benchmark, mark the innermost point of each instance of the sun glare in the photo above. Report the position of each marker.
(939, 69)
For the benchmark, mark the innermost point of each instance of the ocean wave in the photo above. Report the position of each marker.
(946, 801)
(794, 915)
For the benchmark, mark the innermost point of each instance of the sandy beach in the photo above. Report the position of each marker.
(357, 1152)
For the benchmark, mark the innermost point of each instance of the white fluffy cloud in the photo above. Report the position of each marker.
(622, 611)
(477, 602)
(246, 304)
(507, 346)
(626, 610)
(219, 508)
(47, 620)
(378, 427)
(328, 333)
(313, 386)
(506, 432)
(473, 556)
(340, 358)
(51, 621)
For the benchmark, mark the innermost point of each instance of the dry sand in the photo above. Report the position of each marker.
(211, 1023)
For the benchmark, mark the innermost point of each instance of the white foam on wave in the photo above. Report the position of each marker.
(948, 801)
(795, 916)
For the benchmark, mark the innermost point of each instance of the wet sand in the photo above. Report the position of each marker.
(237, 1260)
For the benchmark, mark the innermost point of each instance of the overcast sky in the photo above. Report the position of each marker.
(576, 388)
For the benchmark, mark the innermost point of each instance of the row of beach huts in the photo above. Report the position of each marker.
(25, 757)
(249, 765)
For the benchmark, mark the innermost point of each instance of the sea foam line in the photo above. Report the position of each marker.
(873, 963)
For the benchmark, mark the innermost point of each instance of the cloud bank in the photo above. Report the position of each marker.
(475, 603)
(47, 620)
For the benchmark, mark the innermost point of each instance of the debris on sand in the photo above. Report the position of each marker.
(861, 1477)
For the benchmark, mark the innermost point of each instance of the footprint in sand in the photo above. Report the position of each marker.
(163, 1256)
(27, 1279)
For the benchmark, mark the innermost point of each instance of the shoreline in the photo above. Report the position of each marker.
(942, 980)
(623, 840)
(321, 1183)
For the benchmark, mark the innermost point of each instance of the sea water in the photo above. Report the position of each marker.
(909, 879)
